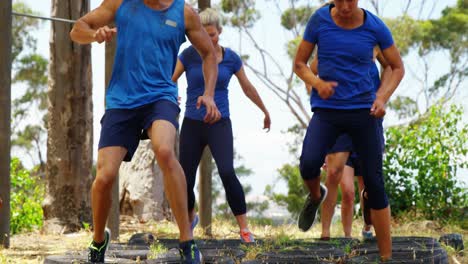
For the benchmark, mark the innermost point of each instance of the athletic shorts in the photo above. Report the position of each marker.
(125, 127)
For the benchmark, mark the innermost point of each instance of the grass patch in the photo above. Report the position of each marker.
(33, 247)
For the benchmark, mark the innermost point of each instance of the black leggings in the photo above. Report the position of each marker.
(326, 126)
(194, 136)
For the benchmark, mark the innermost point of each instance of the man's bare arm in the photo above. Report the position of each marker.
(202, 43)
(94, 25)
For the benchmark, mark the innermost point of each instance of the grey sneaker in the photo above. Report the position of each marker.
(97, 252)
(309, 211)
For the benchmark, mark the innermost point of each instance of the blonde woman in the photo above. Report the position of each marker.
(195, 134)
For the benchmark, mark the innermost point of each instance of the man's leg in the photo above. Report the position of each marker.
(108, 163)
(347, 200)
(335, 165)
(162, 134)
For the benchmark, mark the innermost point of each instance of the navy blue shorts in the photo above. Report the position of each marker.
(355, 163)
(125, 127)
(343, 144)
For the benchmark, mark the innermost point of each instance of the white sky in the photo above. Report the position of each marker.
(262, 152)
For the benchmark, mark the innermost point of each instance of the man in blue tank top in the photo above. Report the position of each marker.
(344, 101)
(141, 100)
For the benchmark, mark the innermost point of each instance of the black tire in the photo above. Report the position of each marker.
(218, 244)
(121, 246)
(310, 255)
(129, 254)
(453, 240)
(168, 242)
(436, 256)
(80, 259)
(213, 254)
(170, 257)
(409, 242)
(132, 254)
(218, 260)
(141, 239)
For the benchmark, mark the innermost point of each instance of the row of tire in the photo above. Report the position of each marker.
(340, 250)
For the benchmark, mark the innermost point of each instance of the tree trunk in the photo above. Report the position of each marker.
(5, 110)
(141, 186)
(70, 125)
(205, 186)
(206, 172)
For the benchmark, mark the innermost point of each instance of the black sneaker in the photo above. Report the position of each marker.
(309, 211)
(97, 252)
(189, 252)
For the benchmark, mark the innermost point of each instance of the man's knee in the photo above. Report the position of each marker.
(105, 176)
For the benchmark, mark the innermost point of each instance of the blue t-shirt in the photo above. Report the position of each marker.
(148, 42)
(192, 62)
(374, 72)
(345, 56)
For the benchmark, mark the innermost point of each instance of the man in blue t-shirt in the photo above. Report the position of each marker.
(141, 100)
(344, 100)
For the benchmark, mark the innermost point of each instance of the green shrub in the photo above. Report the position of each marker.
(421, 164)
(27, 194)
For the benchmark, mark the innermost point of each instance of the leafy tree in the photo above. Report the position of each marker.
(222, 208)
(294, 199)
(27, 194)
(30, 69)
(421, 164)
(447, 35)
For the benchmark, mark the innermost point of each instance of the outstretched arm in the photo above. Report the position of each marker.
(252, 94)
(94, 25)
(202, 43)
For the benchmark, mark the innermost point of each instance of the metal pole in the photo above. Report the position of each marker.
(5, 117)
(45, 18)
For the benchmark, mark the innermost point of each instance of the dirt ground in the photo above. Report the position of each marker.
(34, 247)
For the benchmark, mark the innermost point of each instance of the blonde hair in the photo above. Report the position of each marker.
(210, 17)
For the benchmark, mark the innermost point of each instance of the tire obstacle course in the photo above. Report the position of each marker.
(406, 250)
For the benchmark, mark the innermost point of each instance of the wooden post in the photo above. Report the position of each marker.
(205, 201)
(114, 216)
(5, 117)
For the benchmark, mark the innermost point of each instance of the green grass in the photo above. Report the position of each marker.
(34, 247)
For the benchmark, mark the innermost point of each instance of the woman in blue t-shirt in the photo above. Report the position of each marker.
(344, 100)
(342, 164)
(195, 134)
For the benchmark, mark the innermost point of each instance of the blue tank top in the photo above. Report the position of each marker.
(148, 42)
